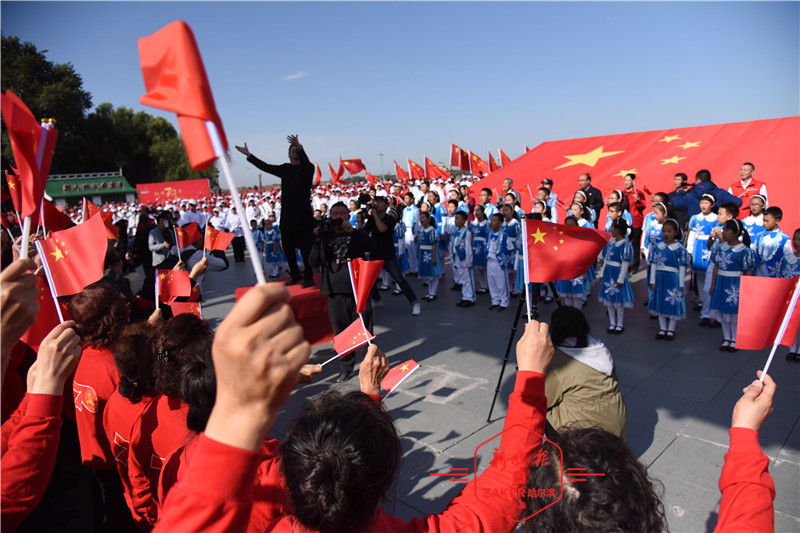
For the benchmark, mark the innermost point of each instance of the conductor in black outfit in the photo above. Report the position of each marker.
(297, 218)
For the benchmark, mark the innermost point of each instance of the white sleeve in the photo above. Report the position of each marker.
(763, 192)
(623, 272)
(682, 275)
(652, 273)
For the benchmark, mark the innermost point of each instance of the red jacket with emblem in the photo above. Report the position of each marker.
(96, 378)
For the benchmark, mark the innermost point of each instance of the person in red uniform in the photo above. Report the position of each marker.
(746, 188)
(257, 354)
(636, 206)
(30, 436)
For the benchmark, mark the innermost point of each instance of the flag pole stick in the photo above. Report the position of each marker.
(26, 236)
(782, 330)
(11, 237)
(205, 235)
(355, 294)
(156, 288)
(526, 272)
(331, 359)
(49, 278)
(177, 242)
(216, 142)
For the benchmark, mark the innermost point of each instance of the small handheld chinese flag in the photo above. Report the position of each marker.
(759, 324)
(492, 163)
(352, 338)
(217, 240)
(175, 80)
(398, 375)
(415, 171)
(189, 308)
(556, 251)
(47, 318)
(54, 220)
(90, 210)
(363, 275)
(188, 234)
(14, 189)
(74, 257)
(455, 155)
(172, 284)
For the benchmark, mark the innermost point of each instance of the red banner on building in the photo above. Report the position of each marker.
(171, 191)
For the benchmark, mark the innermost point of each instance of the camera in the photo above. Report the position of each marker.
(364, 200)
(327, 227)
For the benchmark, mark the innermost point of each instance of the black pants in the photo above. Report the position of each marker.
(393, 268)
(238, 249)
(342, 313)
(291, 243)
(636, 242)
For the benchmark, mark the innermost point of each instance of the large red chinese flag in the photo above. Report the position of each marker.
(47, 318)
(25, 134)
(433, 171)
(175, 80)
(217, 240)
(762, 305)
(172, 284)
(556, 251)
(352, 338)
(54, 220)
(318, 177)
(492, 163)
(477, 165)
(398, 375)
(415, 171)
(364, 275)
(75, 256)
(353, 166)
(504, 159)
(370, 178)
(188, 234)
(189, 308)
(402, 175)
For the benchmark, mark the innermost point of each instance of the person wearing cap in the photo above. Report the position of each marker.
(297, 220)
(380, 226)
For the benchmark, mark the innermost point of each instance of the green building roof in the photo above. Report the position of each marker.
(95, 183)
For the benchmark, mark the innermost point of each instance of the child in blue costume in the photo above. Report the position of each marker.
(790, 268)
(615, 198)
(572, 292)
(668, 262)
(512, 230)
(732, 259)
(430, 263)
(701, 226)
(771, 244)
(581, 212)
(480, 232)
(754, 222)
(616, 293)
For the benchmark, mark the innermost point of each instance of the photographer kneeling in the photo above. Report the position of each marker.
(336, 241)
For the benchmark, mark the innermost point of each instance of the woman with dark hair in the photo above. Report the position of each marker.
(100, 313)
(581, 385)
(624, 498)
(161, 426)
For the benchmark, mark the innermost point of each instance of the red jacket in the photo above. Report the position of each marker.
(637, 208)
(96, 378)
(119, 416)
(160, 428)
(29, 445)
(216, 493)
(745, 193)
(746, 486)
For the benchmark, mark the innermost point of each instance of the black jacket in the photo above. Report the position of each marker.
(335, 274)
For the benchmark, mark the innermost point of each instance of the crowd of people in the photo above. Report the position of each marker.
(165, 421)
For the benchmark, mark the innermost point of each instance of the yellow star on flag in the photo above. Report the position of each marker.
(404, 367)
(623, 173)
(674, 159)
(58, 254)
(589, 159)
(12, 185)
(688, 144)
(669, 138)
(560, 241)
(555, 248)
(538, 236)
(162, 276)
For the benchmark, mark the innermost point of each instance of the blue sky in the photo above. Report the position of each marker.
(357, 79)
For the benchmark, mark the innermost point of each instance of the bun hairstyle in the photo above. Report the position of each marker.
(736, 225)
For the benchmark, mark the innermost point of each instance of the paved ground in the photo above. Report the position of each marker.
(679, 396)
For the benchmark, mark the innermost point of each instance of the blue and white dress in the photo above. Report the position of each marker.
(652, 237)
(626, 216)
(512, 230)
(700, 228)
(272, 245)
(428, 240)
(770, 247)
(573, 288)
(754, 225)
(617, 255)
(480, 232)
(591, 274)
(731, 263)
(790, 266)
(398, 238)
(667, 270)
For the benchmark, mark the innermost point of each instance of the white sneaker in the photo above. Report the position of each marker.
(377, 303)
(415, 310)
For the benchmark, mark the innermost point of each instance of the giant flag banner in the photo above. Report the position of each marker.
(175, 80)
(352, 338)
(217, 240)
(364, 274)
(656, 156)
(556, 251)
(172, 191)
(763, 302)
(75, 256)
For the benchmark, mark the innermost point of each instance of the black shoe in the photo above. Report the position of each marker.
(482, 291)
(413, 274)
(791, 356)
(397, 292)
(344, 375)
(293, 281)
(653, 317)
(610, 329)
(698, 306)
(660, 335)
(714, 324)
(703, 322)
(732, 347)
(724, 346)
(460, 304)
(670, 335)
(307, 283)
(618, 330)
(455, 288)
(493, 307)
(273, 275)
(501, 309)
(466, 303)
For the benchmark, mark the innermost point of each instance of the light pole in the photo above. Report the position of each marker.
(381, 166)
(259, 180)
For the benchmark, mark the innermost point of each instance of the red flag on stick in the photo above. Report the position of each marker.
(504, 159)
(556, 251)
(336, 176)
(217, 240)
(172, 284)
(74, 257)
(477, 165)
(175, 80)
(416, 171)
(351, 338)
(492, 163)
(433, 171)
(189, 308)
(90, 210)
(398, 375)
(318, 178)
(363, 275)
(188, 234)
(402, 175)
(54, 220)
(353, 166)
(47, 318)
(759, 324)
(458, 157)
(370, 178)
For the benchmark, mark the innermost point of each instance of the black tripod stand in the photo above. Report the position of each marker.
(535, 314)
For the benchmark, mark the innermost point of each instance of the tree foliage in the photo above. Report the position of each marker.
(145, 147)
